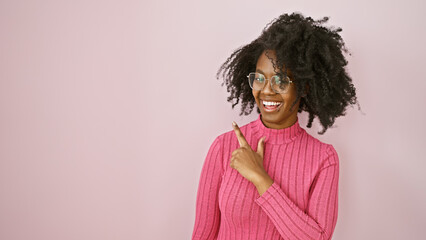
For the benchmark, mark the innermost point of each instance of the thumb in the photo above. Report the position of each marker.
(260, 146)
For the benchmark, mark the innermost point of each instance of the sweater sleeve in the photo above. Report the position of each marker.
(207, 217)
(320, 217)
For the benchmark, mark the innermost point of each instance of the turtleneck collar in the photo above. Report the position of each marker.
(276, 136)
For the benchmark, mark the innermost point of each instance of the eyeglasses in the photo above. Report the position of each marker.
(278, 84)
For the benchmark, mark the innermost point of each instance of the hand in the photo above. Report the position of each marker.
(246, 161)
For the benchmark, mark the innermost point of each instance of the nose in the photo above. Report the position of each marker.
(267, 89)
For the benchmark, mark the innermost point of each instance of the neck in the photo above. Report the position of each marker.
(285, 124)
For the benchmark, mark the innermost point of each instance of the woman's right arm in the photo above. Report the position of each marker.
(207, 217)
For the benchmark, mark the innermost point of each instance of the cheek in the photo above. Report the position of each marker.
(288, 99)
(255, 95)
(290, 95)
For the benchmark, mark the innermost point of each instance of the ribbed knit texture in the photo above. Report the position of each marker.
(300, 204)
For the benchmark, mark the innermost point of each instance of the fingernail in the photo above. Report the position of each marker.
(234, 124)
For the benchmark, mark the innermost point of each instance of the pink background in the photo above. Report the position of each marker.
(108, 108)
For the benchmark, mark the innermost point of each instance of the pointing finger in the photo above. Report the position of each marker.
(261, 146)
(241, 139)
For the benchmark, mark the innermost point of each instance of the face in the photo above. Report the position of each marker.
(280, 117)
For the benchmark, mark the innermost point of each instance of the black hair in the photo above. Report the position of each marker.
(314, 55)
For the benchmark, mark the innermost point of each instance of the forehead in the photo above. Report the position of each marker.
(266, 61)
(267, 55)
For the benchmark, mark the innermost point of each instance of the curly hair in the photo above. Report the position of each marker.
(313, 54)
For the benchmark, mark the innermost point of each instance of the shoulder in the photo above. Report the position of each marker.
(327, 154)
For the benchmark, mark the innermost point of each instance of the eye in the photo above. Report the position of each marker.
(259, 77)
(277, 80)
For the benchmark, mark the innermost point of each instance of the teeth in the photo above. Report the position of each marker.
(271, 103)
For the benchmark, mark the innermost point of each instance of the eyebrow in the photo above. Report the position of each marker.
(260, 71)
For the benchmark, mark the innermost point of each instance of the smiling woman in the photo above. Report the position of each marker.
(270, 179)
(275, 106)
(310, 53)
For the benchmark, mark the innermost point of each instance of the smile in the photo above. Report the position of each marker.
(271, 106)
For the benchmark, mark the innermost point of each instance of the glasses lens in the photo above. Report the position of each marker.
(280, 84)
(256, 81)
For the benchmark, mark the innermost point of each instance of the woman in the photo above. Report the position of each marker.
(270, 179)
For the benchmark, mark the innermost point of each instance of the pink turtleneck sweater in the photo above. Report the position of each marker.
(300, 204)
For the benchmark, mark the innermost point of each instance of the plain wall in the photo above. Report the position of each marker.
(108, 108)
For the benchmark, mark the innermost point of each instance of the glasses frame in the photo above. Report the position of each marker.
(287, 78)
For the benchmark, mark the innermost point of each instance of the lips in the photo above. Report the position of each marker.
(271, 108)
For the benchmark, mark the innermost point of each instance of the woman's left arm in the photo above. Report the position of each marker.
(320, 217)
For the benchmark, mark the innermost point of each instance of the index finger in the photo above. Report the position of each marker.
(241, 139)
